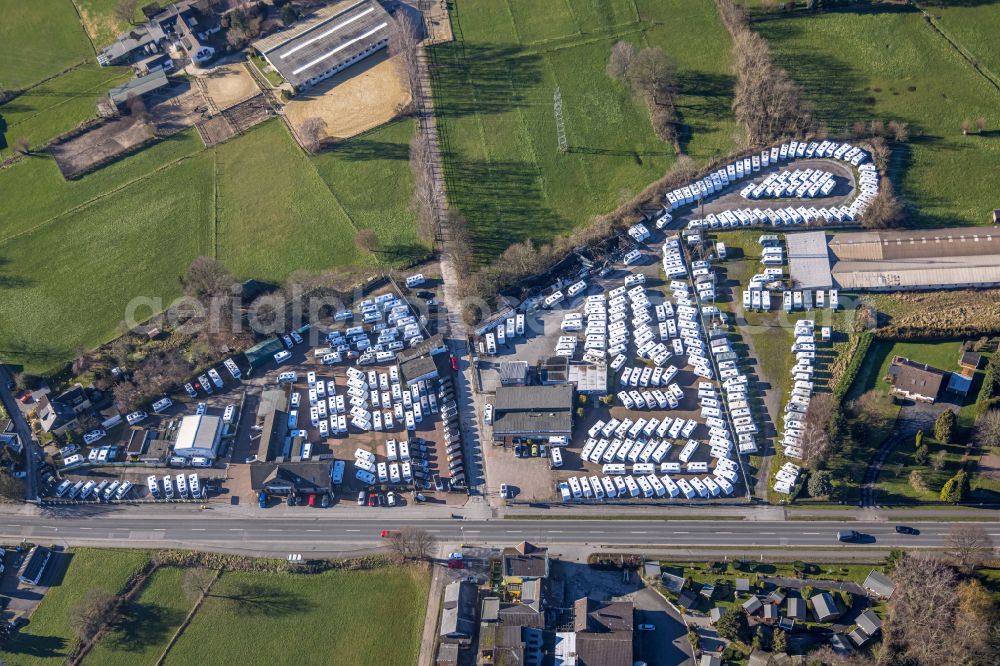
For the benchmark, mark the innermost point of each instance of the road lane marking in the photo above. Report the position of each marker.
(719, 532)
(86, 528)
(197, 529)
(555, 531)
(235, 529)
(312, 530)
(353, 530)
(472, 531)
(812, 533)
(768, 533)
(640, 532)
(681, 532)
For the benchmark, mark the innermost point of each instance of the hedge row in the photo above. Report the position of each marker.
(851, 373)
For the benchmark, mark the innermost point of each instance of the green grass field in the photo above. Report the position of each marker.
(39, 39)
(57, 106)
(349, 617)
(48, 639)
(974, 27)
(99, 20)
(149, 622)
(74, 254)
(494, 91)
(891, 65)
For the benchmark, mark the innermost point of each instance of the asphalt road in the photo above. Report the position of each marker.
(24, 432)
(334, 535)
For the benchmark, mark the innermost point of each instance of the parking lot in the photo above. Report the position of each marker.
(537, 478)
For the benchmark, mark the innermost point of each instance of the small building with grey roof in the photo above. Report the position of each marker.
(330, 40)
(526, 413)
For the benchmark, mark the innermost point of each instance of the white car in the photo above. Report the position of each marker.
(201, 409)
(136, 417)
(488, 413)
(93, 436)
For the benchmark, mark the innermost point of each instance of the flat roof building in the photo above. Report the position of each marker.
(329, 41)
(808, 261)
(533, 412)
(34, 565)
(198, 436)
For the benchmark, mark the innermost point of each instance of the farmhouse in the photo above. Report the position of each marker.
(198, 436)
(533, 413)
(916, 259)
(824, 607)
(916, 381)
(329, 41)
(180, 24)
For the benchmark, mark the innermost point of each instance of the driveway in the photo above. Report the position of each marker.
(667, 644)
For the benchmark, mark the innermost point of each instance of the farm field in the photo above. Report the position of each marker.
(973, 26)
(48, 639)
(494, 91)
(73, 254)
(99, 20)
(151, 620)
(363, 617)
(39, 39)
(56, 106)
(891, 65)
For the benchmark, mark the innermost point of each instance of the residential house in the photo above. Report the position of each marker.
(181, 24)
(824, 607)
(752, 605)
(868, 624)
(291, 478)
(879, 585)
(521, 563)
(916, 381)
(54, 416)
(796, 608)
(9, 436)
(716, 614)
(970, 360)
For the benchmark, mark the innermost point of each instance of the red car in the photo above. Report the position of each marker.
(312, 500)
(372, 499)
(385, 534)
(26, 399)
(454, 363)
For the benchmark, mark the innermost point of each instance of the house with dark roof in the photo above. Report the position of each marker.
(752, 605)
(604, 632)
(879, 585)
(181, 24)
(970, 360)
(916, 381)
(54, 416)
(796, 608)
(522, 563)
(513, 373)
(9, 436)
(870, 622)
(532, 413)
(291, 478)
(458, 614)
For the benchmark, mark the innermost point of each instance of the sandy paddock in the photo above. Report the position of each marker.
(364, 96)
(228, 85)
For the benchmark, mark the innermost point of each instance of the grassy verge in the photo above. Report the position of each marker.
(39, 39)
(649, 517)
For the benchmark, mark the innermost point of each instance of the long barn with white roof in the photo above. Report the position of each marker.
(329, 41)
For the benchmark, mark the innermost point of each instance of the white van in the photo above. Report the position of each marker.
(162, 404)
(280, 357)
(415, 280)
(556, 453)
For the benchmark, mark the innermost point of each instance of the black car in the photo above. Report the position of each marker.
(426, 295)
(848, 536)
(905, 529)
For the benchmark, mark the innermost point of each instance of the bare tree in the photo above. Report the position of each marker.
(96, 610)
(126, 395)
(11, 488)
(986, 432)
(815, 428)
(404, 45)
(313, 132)
(966, 125)
(22, 145)
(922, 608)
(125, 10)
(366, 240)
(885, 211)
(206, 277)
(198, 582)
(622, 54)
(980, 124)
(421, 166)
(877, 128)
(412, 544)
(899, 130)
(969, 545)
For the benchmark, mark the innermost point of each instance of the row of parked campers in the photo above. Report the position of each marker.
(187, 487)
(793, 429)
(649, 485)
(807, 183)
(636, 446)
(212, 377)
(508, 330)
(803, 300)
(104, 491)
(744, 168)
(639, 232)
(673, 259)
